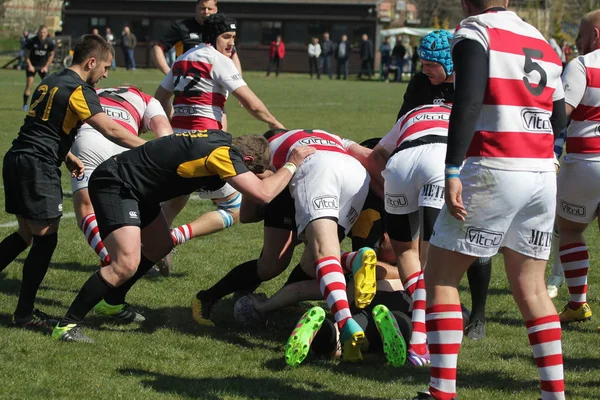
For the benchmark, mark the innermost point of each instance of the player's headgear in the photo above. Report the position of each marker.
(436, 47)
(215, 25)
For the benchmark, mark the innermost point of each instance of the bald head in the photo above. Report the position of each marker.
(476, 7)
(588, 38)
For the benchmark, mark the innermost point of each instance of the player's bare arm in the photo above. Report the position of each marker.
(256, 107)
(236, 61)
(113, 131)
(74, 165)
(30, 66)
(266, 190)
(375, 163)
(361, 153)
(46, 67)
(251, 211)
(160, 126)
(164, 97)
(158, 56)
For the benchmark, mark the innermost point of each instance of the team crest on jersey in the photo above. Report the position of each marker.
(439, 102)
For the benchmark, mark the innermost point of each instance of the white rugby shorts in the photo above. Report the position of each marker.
(578, 190)
(513, 209)
(92, 149)
(329, 185)
(414, 178)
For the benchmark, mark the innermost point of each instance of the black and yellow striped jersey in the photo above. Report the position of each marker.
(179, 164)
(58, 108)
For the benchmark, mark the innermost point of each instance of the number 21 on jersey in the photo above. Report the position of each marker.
(43, 90)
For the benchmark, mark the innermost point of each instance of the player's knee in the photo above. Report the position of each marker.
(25, 234)
(230, 210)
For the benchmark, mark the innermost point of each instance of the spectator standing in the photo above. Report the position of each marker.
(110, 38)
(23, 40)
(342, 55)
(398, 54)
(366, 56)
(128, 43)
(276, 54)
(415, 60)
(408, 58)
(386, 56)
(314, 52)
(95, 31)
(566, 51)
(326, 55)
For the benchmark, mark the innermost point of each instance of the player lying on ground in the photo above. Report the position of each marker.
(200, 83)
(127, 190)
(137, 112)
(32, 186)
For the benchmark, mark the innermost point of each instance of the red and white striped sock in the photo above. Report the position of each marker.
(347, 258)
(445, 333)
(411, 283)
(333, 287)
(181, 234)
(575, 261)
(544, 336)
(418, 338)
(89, 227)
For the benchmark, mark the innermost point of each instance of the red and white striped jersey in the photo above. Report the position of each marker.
(513, 131)
(282, 144)
(129, 107)
(581, 81)
(201, 79)
(427, 120)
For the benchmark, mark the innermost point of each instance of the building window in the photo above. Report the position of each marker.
(250, 32)
(316, 30)
(339, 29)
(295, 33)
(269, 30)
(98, 22)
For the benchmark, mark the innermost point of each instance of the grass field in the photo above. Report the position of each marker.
(169, 357)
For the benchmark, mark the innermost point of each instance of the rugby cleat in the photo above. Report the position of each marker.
(583, 313)
(38, 321)
(123, 312)
(418, 360)
(475, 330)
(364, 276)
(165, 266)
(425, 395)
(394, 345)
(201, 310)
(553, 283)
(352, 338)
(298, 344)
(70, 333)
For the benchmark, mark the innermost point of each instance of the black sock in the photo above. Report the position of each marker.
(325, 341)
(92, 291)
(10, 248)
(34, 271)
(25, 99)
(242, 277)
(117, 295)
(479, 274)
(298, 275)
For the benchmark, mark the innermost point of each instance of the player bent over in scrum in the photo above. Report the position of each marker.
(127, 190)
(137, 112)
(414, 194)
(329, 191)
(504, 197)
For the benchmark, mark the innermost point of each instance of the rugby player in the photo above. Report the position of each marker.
(435, 85)
(201, 80)
(39, 54)
(504, 197)
(32, 188)
(413, 195)
(137, 112)
(126, 192)
(578, 201)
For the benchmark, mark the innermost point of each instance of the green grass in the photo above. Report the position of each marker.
(169, 357)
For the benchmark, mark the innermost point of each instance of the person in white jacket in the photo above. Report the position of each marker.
(314, 52)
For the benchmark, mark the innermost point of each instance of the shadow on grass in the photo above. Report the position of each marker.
(218, 388)
(68, 266)
(504, 319)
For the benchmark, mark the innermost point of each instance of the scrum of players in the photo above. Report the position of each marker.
(467, 171)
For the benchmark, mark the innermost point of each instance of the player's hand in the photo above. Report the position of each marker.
(454, 200)
(44, 70)
(276, 125)
(31, 68)
(299, 153)
(74, 165)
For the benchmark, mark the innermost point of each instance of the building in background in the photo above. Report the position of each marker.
(259, 22)
(16, 15)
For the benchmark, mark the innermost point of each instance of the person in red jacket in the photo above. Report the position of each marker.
(276, 54)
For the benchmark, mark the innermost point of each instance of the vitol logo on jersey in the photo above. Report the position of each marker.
(325, 203)
(483, 237)
(317, 141)
(431, 117)
(116, 113)
(536, 120)
(572, 209)
(395, 200)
